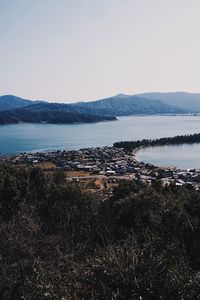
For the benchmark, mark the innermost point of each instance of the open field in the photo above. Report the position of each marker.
(76, 173)
(45, 165)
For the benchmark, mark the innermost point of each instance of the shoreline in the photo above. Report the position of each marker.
(54, 151)
(157, 166)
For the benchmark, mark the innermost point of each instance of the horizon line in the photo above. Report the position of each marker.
(98, 99)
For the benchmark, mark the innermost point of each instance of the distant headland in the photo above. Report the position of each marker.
(16, 110)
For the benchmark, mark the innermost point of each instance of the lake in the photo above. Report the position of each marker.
(41, 137)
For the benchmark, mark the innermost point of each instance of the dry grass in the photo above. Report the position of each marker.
(45, 165)
(76, 173)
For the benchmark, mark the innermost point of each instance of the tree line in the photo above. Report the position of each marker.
(176, 140)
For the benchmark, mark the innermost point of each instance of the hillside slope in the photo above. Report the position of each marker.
(8, 102)
(22, 110)
(187, 101)
(27, 115)
(124, 105)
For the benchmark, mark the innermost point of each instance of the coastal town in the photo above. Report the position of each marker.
(101, 168)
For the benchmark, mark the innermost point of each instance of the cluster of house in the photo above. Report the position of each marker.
(109, 162)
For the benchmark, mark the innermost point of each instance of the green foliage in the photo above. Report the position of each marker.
(37, 113)
(12, 191)
(179, 139)
(57, 242)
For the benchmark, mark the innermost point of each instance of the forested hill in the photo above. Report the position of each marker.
(113, 106)
(8, 102)
(29, 115)
(121, 105)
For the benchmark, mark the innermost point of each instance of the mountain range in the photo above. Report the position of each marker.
(8, 102)
(188, 101)
(15, 109)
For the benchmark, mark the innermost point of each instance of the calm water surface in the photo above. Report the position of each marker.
(41, 137)
(181, 156)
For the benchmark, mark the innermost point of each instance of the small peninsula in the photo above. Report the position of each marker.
(23, 115)
(176, 140)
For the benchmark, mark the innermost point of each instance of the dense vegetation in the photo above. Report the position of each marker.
(176, 140)
(8, 102)
(31, 115)
(119, 105)
(56, 242)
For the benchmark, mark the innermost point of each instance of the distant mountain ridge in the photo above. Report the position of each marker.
(124, 105)
(187, 101)
(15, 109)
(8, 102)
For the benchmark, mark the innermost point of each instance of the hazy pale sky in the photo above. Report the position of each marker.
(69, 50)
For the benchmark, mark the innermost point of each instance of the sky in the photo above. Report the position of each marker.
(78, 50)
